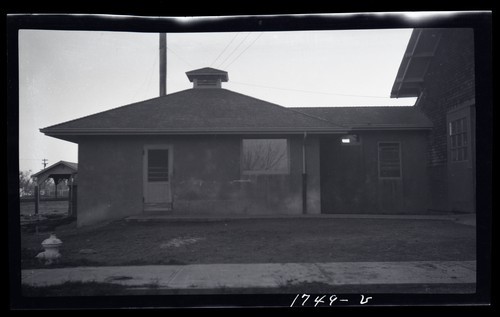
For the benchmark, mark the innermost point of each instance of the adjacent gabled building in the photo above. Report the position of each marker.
(59, 171)
(438, 68)
(209, 150)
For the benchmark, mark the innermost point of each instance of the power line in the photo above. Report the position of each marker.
(178, 56)
(225, 48)
(234, 50)
(150, 75)
(255, 40)
(309, 91)
(148, 78)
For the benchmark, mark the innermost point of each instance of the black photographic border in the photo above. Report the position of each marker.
(480, 21)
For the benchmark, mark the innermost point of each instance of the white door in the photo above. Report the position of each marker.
(157, 174)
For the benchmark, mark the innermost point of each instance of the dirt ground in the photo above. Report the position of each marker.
(257, 241)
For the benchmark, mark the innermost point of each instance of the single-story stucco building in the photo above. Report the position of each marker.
(208, 150)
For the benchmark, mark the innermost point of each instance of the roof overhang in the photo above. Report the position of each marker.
(68, 134)
(387, 127)
(74, 135)
(421, 48)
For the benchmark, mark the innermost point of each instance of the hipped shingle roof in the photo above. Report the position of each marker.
(195, 110)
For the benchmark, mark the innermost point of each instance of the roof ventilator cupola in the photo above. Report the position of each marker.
(207, 77)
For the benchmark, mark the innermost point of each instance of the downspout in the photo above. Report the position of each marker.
(304, 175)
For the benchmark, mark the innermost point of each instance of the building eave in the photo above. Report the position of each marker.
(390, 127)
(184, 131)
(421, 49)
(70, 135)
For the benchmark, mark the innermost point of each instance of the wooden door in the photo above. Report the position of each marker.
(157, 177)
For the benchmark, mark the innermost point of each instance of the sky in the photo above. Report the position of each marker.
(64, 75)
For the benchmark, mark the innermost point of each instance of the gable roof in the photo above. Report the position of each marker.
(72, 166)
(372, 117)
(194, 111)
(419, 52)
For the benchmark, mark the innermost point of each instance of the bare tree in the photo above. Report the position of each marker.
(264, 155)
(26, 184)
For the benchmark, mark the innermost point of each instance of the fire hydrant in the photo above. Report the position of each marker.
(51, 247)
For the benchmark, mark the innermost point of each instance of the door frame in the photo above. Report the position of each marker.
(147, 147)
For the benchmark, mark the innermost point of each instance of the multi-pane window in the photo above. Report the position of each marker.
(389, 160)
(265, 156)
(158, 165)
(458, 140)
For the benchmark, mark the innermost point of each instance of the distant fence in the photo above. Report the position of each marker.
(52, 193)
(63, 195)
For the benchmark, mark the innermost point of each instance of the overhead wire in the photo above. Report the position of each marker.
(180, 57)
(146, 79)
(255, 40)
(234, 50)
(225, 48)
(309, 91)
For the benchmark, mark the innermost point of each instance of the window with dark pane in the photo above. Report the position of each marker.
(389, 160)
(158, 165)
(265, 156)
(458, 140)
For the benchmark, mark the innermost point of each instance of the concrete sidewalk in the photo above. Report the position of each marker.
(262, 275)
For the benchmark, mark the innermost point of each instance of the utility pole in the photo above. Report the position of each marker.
(44, 162)
(163, 64)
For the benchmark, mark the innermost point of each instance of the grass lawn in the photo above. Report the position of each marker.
(258, 241)
(44, 207)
